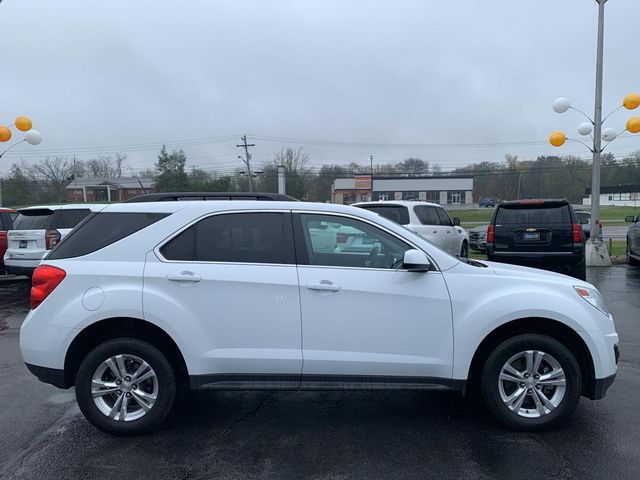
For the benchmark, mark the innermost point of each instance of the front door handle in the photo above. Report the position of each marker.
(324, 286)
(184, 277)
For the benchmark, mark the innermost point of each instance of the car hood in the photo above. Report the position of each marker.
(534, 274)
(482, 228)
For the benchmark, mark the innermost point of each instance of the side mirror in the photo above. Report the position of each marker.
(416, 261)
(630, 218)
(456, 221)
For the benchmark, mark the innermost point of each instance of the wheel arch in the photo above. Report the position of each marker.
(102, 330)
(545, 326)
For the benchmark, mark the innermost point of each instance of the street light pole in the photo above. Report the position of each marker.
(597, 131)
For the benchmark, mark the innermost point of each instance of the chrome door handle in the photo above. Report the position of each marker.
(184, 277)
(324, 287)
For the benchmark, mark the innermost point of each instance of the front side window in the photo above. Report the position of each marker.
(253, 237)
(444, 217)
(354, 243)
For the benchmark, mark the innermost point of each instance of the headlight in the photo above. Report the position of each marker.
(592, 296)
(482, 235)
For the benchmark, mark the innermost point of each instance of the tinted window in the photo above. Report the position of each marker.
(69, 218)
(583, 217)
(345, 242)
(397, 213)
(33, 220)
(444, 217)
(100, 230)
(427, 215)
(533, 215)
(238, 237)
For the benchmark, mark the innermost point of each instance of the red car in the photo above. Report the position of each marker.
(7, 215)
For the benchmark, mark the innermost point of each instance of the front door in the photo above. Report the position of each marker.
(362, 315)
(230, 282)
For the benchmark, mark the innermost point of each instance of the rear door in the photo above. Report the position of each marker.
(230, 280)
(544, 227)
(430, 225)
(27, 239)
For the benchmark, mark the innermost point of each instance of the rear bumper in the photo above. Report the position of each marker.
(536, 258)
(19, 270)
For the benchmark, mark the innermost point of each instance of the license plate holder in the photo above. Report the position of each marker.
(529, 236)
(23, 244)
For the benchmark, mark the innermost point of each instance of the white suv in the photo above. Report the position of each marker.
(429, 220)
(142, 298)
(36, 230)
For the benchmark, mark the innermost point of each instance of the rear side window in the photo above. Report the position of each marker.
(533, 215)
(33, 220)
(396, 213)
(263, 237)
(69, 218)
(427, 215)
(100, 230)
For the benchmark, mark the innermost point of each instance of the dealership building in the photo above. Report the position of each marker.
(445, 190)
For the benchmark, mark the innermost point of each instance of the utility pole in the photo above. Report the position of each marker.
(247, 158)
(371, 160)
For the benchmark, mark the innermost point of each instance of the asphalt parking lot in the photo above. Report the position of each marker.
(322, 434)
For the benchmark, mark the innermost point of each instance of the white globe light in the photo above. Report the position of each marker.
(585, 128)
(33, 137)
(609, 134)
(561, 105)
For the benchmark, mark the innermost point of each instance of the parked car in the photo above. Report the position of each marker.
(487, 203)
(7, 215)
(143, 298)
(478, 238)
(633, 240)
(585, 221)
(539, 233)
(428, 220)
(36, 230)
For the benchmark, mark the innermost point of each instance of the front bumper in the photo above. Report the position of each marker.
(600, 387)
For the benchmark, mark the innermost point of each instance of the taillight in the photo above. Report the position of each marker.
(51, 238)
(491, 233)
(45, 279)
(577, 233)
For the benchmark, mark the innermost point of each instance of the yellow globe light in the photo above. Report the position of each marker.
(557, 139)
(633, 125)
(631, 101)
(23, 123)
(5, 134)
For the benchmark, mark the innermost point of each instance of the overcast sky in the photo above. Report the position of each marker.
(102, 76)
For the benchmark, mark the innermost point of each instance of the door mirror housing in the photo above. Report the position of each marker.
(456, 221)
(630, 218)
(416, 261)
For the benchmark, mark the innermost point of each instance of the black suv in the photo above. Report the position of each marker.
(538, 233)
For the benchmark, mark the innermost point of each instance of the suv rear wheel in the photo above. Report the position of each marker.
(125, 386)
(531, 382)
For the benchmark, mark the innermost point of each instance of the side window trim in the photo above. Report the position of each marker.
(288, 232)
(301, 244)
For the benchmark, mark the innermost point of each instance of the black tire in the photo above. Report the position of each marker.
(490, 383)
(630, 259)
(464, 250)
(166, 386)
(580, 270)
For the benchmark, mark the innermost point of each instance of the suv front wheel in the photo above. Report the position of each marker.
(531, 382)
(125, 386)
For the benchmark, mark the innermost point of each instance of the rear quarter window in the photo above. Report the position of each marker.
(69, 218)
(100, 230)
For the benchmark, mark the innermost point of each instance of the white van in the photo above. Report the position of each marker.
(36, 230)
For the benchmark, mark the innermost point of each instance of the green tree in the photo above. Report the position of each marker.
(170, 167)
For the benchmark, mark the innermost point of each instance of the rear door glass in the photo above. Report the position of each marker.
(427, 215)
(533, 215)
(33, 220)
(396, 213)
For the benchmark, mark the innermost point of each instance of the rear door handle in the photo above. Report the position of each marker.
(324, 286)
(184, 277)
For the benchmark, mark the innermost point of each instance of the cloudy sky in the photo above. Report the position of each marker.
(344, 78)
